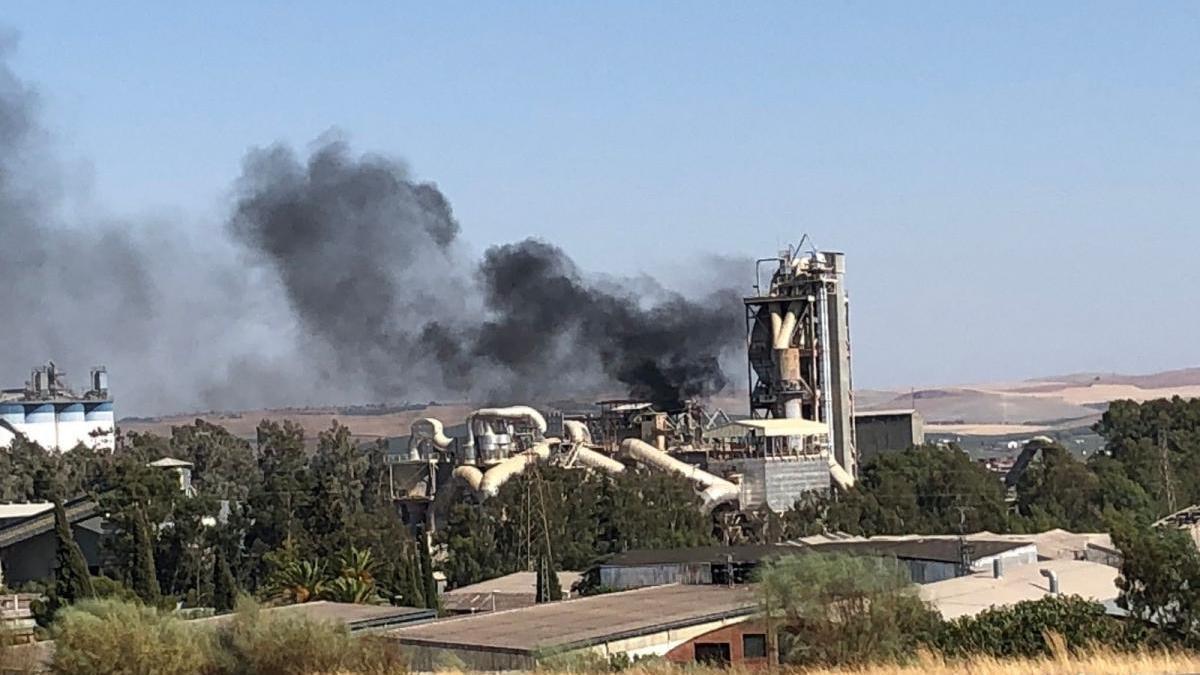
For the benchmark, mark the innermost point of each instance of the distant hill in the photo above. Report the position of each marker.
(1055, 402)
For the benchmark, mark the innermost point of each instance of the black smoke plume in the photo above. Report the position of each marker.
(358, 288)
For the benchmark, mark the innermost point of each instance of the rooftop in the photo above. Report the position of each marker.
(574, 624)
(750, 553)
(937, 549)
(507, 592)
(894, 412)
(354, 617)
(1051, 545)
(969, 595)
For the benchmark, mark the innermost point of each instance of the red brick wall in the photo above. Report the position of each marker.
(732, 634)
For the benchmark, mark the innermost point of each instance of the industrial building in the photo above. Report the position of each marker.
(28, 544)
(800, 436)
(883, 431)
(649, 621)
(48, 412)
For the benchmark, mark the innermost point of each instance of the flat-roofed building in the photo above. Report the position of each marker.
(649, 621)
(882, 431)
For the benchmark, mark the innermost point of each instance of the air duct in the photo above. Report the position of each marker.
(469, 475)
(500, 474)
(1053, 577)
(595, 460)
(839, 474)
(577, 432)
(716, 491)
(426, 430)
(479, 423)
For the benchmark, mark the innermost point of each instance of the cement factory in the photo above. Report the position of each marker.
(48, 412)
(799, 436)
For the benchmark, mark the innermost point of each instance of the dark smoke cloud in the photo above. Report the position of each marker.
(358, 288)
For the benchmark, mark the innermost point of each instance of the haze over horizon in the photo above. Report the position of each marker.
(1014, 186)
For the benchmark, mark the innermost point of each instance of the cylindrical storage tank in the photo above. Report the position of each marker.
(99, 418)
(486, 447)
(98, 412)
(12, 413)
(73, 429)
(40, 425)
(39, 413)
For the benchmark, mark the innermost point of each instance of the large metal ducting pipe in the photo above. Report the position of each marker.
(470, 475)
(577, 432)
(595, 460)
(839, 474)
(500, 474)
(481, 418)
(426, 429)
(716, 490)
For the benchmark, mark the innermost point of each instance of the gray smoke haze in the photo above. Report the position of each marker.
(337, 279)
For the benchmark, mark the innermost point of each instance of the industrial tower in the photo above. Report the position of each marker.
(798, 343)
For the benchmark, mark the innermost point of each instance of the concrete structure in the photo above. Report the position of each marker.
(511, 591)
(28, 545)
(1187, 519)
(650, 621)
(703, 565)
(969, 595)
(798, 337)
(1055, 544)
(47, 412)
(881, 431)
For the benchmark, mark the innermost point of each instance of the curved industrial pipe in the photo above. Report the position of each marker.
(577, 432)
(512, 412)
(426, 429)
(469, 475)
(839, 475)
(500, 474)
(595, 460)
(716, 490)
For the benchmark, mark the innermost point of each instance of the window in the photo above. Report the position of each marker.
(754, 646)
(713, 653)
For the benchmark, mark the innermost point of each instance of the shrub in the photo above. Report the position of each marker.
(842, 610)
(1022, 630)
(255, 642)
(100, 637)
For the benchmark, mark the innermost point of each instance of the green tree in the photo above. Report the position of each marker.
(223, 465)
(1160, 578)
(838, 610)
(225, 586)
(548, 587)
(145, 574)
(72, 581)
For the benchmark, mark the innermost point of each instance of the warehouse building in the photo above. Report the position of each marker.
(650, 621)
(884, 431)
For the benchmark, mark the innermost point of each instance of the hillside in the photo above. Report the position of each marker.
(996, 409)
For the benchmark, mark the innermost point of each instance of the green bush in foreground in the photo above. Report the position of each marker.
(103, 637)
(111, 637)
(1021, 630)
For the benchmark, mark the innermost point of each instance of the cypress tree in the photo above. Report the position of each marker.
(429, 584)
(145, 576)
(548, 588)
(72, 581)
(416, 597)
(225, 588)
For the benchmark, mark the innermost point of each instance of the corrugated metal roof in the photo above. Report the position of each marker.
(574, 624)
(751, 553)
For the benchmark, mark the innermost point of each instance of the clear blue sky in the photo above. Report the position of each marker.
(1016, 185)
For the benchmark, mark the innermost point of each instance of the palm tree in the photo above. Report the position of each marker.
(299, 581)
(352, 589)
(358, 564)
